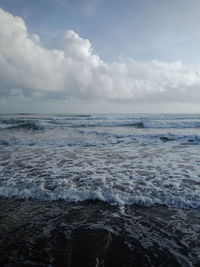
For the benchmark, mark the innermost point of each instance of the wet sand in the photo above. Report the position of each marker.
(92, 233)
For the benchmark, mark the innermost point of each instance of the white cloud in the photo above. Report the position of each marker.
(76, 72)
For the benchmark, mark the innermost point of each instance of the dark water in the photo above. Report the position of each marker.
(100, 190)
(97, 234)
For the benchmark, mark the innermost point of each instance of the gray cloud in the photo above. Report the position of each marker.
(27, 69)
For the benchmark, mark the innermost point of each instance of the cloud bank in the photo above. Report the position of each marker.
(27, 69)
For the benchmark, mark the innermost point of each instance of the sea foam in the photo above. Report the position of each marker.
(61, 157)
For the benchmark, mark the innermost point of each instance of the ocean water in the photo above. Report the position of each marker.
(119, 159)
(100, 190)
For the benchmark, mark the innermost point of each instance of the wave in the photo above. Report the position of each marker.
(140, 124)
(31, 125)
(74, 194)
(172, 124)
(66, 122)
(144, 124)
(106, 139)
(94, 123)
(52, 143)
(142, 137)
(21, 124)
(88, 121)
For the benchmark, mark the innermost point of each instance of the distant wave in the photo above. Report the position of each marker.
(27, 125)
(20, 124)
(176, 124)
(88, 121)
(172, 124)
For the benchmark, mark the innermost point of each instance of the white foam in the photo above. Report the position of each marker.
(118, 165)
(113, 197)
(171, 124)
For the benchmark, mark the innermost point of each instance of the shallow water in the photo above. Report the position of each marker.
(91, 233)
(100, 190)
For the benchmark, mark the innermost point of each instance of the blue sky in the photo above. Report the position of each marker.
(141, 29)
(143, 54)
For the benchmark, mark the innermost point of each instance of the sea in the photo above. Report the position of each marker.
(100, 190)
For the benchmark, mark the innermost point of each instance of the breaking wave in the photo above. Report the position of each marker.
(21, 124)
(105, 194)
(82, 121)
(108, 139)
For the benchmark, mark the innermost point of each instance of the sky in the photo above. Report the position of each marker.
(91, 56)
